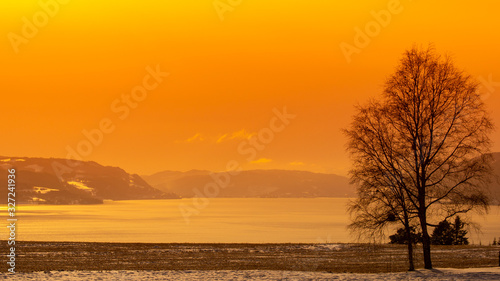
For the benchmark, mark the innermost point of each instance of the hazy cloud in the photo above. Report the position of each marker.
(196, 138)
(261, 161)
(232, 136)
(239, 135)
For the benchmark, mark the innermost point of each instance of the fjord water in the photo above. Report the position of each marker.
(223, 220)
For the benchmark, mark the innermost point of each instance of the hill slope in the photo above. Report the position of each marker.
(53, 181)
(255, 183)
(275, 183)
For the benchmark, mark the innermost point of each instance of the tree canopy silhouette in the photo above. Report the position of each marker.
(450, 234)
(400, 237)
(420, 153)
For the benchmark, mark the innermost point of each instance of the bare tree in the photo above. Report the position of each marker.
(426, 141)
(382, 199)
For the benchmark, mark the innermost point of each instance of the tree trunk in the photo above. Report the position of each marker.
(410, 257)
(422, 215)
(426, 243)
(410, 244)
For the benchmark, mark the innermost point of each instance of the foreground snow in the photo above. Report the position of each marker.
(435, 274)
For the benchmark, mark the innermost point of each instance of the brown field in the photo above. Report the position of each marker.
(355, 258)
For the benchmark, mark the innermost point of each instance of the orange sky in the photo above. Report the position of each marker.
(227, 73)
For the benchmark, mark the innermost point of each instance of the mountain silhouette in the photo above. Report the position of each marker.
(57, 181)
(254, 183)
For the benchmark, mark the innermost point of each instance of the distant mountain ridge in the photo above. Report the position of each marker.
(256, 183)
(277, 183)
(54, 181)
(38, 181)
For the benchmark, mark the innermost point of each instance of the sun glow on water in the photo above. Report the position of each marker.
(223, 221)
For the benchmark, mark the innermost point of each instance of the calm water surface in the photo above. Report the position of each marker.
(248, 220)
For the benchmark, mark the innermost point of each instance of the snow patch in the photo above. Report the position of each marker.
(325, 246)
(434, 274)
(43, 190)
(35, 168)
(80, 185)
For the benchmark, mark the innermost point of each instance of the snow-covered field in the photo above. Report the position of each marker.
(435, 274)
